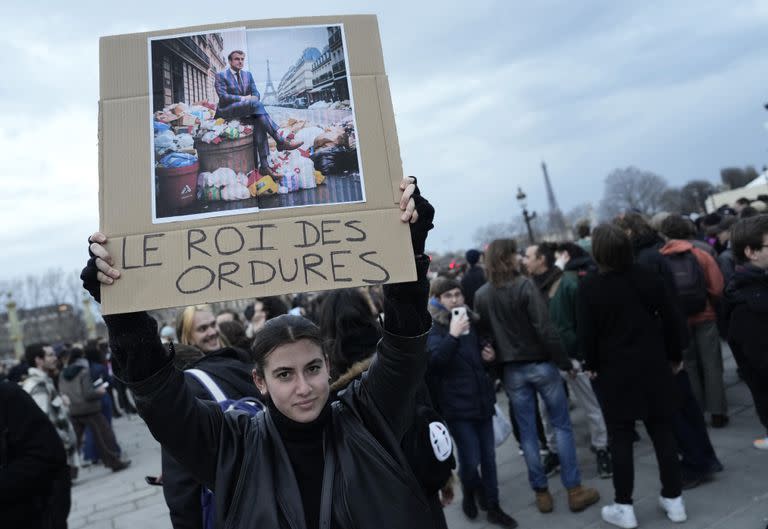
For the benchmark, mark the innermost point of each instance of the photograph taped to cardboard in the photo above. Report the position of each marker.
(244, 120)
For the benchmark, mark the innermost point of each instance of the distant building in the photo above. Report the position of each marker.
(184, 69)
(297, 81)
(329, 72)
(51, 323)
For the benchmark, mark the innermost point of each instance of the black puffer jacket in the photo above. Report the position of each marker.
(747, 313)
(180, 488)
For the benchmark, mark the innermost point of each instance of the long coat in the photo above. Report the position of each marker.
(629, 330)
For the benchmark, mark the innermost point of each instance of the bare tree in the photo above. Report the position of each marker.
(736, 177)
(694, 196)
(632, 189)
(504, 230)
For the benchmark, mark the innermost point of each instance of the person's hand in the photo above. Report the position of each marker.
(591, 374)
(459, 325)
(101, 390)
(416, 211)
(488, 354)
(676, 367)
(446, 493)
(575, 368)
(65, 400)
(99, 268)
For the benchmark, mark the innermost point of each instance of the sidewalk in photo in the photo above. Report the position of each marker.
(736, 498)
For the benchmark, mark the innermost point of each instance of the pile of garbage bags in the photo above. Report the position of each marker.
(336, 105)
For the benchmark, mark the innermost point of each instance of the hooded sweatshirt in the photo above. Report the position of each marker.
(712, 276)
(75, 383)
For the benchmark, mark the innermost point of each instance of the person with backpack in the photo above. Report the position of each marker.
(699, 285)
(628, 330)
(465, 396)
(307, 460)
(219, 374)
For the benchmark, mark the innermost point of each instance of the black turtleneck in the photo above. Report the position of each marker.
(546, 280)
(304, 444)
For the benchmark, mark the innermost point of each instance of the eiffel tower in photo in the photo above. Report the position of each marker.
(270, 94)
(556, 219)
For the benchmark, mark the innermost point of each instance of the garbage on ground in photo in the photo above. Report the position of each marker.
(328, 146)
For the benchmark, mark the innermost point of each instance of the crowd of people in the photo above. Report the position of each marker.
(371, 404)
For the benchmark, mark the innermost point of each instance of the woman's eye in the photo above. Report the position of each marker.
(283, 375)
(314, 369)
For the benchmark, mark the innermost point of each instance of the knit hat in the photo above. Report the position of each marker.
(441, 285)
(472, 256)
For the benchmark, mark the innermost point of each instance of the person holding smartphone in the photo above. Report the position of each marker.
(465, 396)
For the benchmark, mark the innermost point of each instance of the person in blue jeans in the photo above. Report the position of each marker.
(527, 345)
(465, 396)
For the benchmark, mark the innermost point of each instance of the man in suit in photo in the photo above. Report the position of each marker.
(239, 98)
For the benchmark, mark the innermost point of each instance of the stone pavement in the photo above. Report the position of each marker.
(736, 499)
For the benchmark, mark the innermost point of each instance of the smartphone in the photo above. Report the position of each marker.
(99, 382)
(459, 312)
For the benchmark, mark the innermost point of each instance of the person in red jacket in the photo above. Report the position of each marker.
(703, 357)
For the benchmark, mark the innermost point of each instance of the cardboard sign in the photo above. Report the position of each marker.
(248, 159)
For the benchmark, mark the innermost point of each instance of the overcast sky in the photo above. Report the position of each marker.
(483, 92)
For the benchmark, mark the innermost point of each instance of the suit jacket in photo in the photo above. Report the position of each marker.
(230, 92)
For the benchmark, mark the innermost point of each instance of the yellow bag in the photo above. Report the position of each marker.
(319, 177)
(261, 185)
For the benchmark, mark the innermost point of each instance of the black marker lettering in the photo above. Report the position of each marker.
(317, 260)
(306, 243)
(335, 265)
(194, 244)
(295, 270)
(253, 272)
(211, 278)
(216, 240)
(350, 224)
(148, 249)
(323, 230)
(126, 266)
(234, 267)
(376, 265)
(261, 246)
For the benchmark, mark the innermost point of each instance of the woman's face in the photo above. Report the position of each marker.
(204, 334)
(296, 379)
(259, 317)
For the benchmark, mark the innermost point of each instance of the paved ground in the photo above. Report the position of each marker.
(736, 499)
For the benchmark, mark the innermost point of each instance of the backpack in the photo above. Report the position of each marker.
(249, 405)
(429, 449)
(690, 282)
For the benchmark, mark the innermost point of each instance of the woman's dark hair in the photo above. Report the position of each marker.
(583, 229)
(748, 232)
(611, 248)
(279, 331)
(638, 227)
(273, 306)
(92, 352)
(573, 249)
(346, 314)
(501, 261)
(676, 227)
(232, 334)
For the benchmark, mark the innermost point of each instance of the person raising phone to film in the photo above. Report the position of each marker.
(306, 462)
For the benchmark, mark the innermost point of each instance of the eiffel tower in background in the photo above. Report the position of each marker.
(557, 224)
(270, 94)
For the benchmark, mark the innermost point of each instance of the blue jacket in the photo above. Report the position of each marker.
(464, 390)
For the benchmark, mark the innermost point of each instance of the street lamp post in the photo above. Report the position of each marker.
(527, 217)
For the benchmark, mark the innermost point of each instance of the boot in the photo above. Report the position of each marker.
(498, 517)
(283, 145)
(468, 504)
(544, 501)
(579, 498)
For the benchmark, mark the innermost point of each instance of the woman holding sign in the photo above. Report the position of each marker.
(307, 462)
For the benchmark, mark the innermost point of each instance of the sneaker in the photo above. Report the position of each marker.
(544, 501)
(761, 444)
(498, 517)
(620, 515)
(468, 505)
(604, 464)
(674, 507)
(551, 464)
(579, 498)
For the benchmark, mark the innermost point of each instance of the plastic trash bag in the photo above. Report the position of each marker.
(164, 141)
(159, 126)
(335, 160)
(185, 141)
(178, 159)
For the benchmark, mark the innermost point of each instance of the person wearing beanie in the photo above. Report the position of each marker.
(474, 278)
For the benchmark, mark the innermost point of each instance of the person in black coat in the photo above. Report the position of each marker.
(474, 278)
(32, 461)
(629, 331)
(465, 397)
